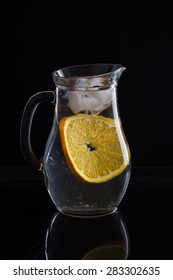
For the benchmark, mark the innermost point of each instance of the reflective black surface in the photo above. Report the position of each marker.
(87, 238)
(31, 227)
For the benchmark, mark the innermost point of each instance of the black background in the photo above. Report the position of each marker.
(38, 38)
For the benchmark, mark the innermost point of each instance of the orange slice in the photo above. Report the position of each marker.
(94, 147)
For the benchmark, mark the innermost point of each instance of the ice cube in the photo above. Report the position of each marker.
(90, 102)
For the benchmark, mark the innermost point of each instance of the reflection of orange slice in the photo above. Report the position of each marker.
(106, 252)
(92, 148)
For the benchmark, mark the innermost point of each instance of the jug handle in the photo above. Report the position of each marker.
(26, 124)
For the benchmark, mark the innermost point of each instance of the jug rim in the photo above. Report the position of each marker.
(59, 72)
(88, 75)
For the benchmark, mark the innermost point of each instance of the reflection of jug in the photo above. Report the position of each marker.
(86, 163)
(103, 238)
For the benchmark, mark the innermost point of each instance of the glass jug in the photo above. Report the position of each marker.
(86, 162)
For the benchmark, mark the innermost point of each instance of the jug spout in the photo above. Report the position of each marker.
(118, 72)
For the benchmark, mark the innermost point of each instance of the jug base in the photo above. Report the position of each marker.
(88, 213)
